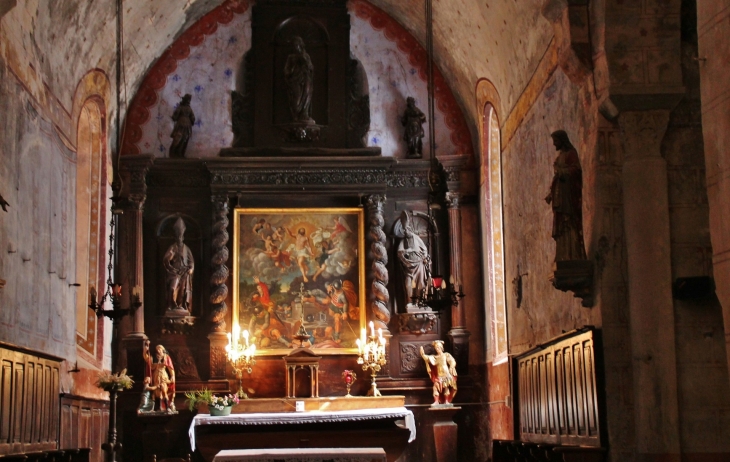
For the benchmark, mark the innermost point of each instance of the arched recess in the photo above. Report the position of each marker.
(492, 221)
(91, 189)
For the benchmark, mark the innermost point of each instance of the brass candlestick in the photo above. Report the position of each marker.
(241, 357)
(372, 355)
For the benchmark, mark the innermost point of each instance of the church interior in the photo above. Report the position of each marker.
(365, 230)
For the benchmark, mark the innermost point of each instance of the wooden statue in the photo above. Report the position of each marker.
(565, 197)
(179, 265)
(442, 369)
(184, 119)
(414, 259)
(299, 75)
(413, 120)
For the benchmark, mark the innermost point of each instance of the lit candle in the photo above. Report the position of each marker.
(362, 336)
(359, 346)
(380, 332)
(451, 279)
(245, 336)
(443, 284)
(372, 329)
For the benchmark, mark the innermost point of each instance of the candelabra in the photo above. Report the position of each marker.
(240, 356)
(438, 295)
(371, 354)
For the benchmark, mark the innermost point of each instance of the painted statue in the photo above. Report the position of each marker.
(184, 119)
(299, 75)
(565, 197)
(441, 368)
(179, 265)
(413, 120)
(159, 380)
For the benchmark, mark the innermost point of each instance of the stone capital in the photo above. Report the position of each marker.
(643, 132)
(453, 200)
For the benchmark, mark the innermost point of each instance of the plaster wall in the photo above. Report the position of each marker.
(713, 24)
(37, 235)
(526, 176)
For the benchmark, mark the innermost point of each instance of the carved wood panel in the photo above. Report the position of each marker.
(29, 401)
(558, 393)
(84, 424)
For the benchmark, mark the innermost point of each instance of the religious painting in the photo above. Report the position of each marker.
(296, 268)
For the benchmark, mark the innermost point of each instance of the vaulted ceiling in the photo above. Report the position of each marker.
(55, 42)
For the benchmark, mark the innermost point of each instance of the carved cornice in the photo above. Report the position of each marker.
(336, 177)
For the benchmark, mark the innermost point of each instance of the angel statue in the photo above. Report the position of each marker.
(442, 369)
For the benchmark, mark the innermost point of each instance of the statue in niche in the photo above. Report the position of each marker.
(413, 120)
(159, 381)
(565, 197)
(441, 368)
(179, 265)
(298, 74)
(184, 119)
(414, 259)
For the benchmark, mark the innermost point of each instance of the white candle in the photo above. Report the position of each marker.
(236, 332)
(359, 346)
(380, 332)
(372, 329)
(245, 336)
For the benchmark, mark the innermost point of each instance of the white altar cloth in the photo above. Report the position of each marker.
(301, 454)
(278, 418)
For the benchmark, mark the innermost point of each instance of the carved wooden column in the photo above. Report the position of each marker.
(651, 308)
(219, 289)
(378, 257)
(458, 335)
(129, 266)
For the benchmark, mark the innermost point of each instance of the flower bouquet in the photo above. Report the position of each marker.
(114, 382)
(217, 405)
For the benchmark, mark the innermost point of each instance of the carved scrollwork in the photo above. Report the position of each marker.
(378, 255)
(217, 361)
(419, 323)
(219, 274)
(410, 357)
(453, 200)
(185, 367)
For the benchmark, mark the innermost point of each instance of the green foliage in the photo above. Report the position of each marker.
(196, 397)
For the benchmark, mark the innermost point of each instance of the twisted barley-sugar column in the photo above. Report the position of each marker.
(378, 255)
(219, 276)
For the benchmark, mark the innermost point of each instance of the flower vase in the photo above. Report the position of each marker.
(215, 412)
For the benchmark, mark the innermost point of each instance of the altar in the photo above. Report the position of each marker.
(388, 428)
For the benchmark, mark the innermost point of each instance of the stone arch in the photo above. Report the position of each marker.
(491, 216)
(91, 191)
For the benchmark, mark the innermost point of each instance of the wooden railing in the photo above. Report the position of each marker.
(558, 392)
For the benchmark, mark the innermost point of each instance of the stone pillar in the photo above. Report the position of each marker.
(651, 308)
(219, 289)
(458, 335)
(130, 266)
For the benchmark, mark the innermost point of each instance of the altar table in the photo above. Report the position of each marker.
(302, 454)
(388, 428)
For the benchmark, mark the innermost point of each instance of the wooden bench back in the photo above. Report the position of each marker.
(558, 392)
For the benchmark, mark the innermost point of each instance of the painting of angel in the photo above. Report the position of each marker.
(299, 267)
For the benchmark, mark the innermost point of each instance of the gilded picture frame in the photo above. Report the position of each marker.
(299, 266)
